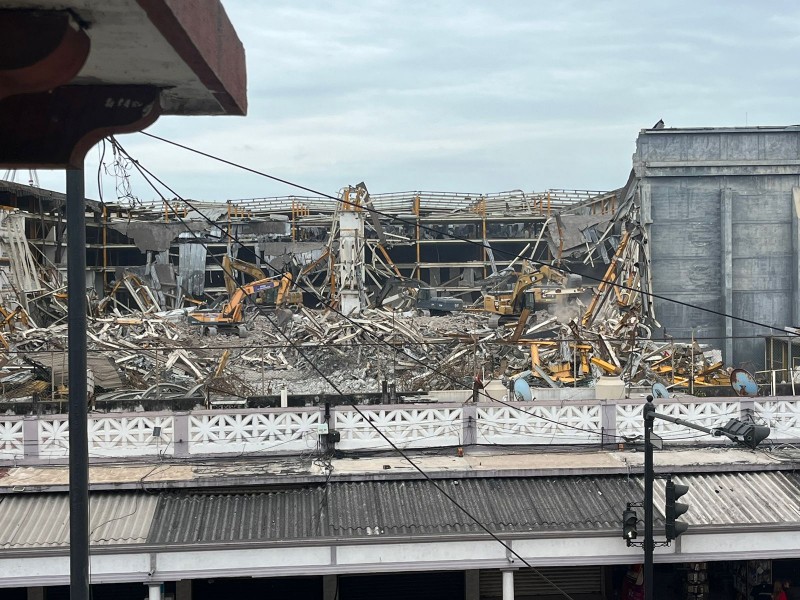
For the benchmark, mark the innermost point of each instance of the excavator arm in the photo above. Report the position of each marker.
(232, 312)
(233, 308)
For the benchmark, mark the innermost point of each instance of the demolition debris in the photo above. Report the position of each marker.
(236, 305)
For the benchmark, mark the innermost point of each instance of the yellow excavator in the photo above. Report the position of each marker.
(540, 286)
(531, 290)
(230, 264)
(231, 314)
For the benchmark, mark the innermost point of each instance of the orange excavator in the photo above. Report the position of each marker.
(231, 314)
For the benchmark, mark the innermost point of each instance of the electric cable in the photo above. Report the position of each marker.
(319, 371)
(457, 237)
(146, 174)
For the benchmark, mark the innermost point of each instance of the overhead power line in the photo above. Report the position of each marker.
(424, 227)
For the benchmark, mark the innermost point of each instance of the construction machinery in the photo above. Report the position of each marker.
(230, 264)
(419, 294)
(231, 315)
(529, 290)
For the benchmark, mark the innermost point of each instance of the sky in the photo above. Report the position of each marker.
(470, 96)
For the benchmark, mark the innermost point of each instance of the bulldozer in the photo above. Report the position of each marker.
(231, 315)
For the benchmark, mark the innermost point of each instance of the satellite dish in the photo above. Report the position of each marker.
(659, 390)
(743, 383)
(522, 390)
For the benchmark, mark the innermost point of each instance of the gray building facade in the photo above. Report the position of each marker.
(721, 210)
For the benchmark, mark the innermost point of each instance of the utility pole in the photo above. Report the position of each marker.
(76, 341)
(648, 412)
(747, 434)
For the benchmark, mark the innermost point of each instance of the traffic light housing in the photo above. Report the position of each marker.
(674, 509)
(629, 521)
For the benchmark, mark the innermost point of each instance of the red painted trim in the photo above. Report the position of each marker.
(55, 130)
(203, 36)
(58, 59)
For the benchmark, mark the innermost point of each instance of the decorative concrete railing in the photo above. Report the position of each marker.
(404, 426)
(244, 432)
(408, 426)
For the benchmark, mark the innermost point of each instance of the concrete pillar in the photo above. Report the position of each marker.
(726, 227)
(180, 434)
(330, 587)
(746, 409)
(35, 593)
(30, 437)
(508, 585)
(469, 425)
(351, 261)
(153, 591)
(608, 421)
(183, 589)
(472, 584)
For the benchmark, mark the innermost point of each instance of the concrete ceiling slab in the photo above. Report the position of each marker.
(188, 48)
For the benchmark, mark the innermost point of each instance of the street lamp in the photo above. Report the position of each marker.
(747, 434)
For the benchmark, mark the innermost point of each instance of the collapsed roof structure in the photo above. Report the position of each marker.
(567, 270)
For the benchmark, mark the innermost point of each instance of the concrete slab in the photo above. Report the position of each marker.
(266, 471)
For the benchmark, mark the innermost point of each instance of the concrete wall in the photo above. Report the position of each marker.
(721, 221)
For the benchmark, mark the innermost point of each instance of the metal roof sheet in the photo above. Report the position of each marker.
(42, 520)
(395, 508)
(754, 498)
(416, 507)
(571, 505)
(187, 518)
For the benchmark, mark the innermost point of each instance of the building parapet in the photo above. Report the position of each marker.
(287, 431)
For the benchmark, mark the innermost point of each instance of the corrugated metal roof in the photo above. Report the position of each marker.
(411, 508)
(396, 508)
(771, 497)
(206, 518)
(42, 520)
(521, 504)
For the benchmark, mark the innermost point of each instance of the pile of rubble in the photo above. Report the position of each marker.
(137, 357)
(138, 352)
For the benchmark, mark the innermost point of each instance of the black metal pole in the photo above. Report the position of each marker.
(78, 437)
(648, 413)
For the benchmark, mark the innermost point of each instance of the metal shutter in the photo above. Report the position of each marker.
(581, 582)
(447, 585)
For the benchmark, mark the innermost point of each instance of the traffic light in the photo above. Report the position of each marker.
(673, 509)
(629, 520)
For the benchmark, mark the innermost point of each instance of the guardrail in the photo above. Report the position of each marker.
(37, 439)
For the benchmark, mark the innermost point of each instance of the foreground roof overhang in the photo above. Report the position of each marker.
(392, 526)
(74, 71)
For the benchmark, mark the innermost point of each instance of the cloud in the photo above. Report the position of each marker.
(465, 95)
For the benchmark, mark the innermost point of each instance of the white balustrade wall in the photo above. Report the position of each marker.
(406, 427)
(244, 432)
(781, 415)
(298, 430)
(11, 439)
(534, 423)
(110, 436)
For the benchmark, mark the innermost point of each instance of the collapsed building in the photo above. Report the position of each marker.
(391, 294)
